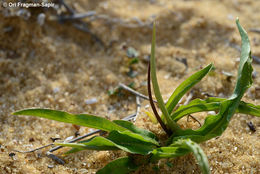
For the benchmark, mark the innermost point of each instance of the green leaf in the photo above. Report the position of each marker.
(248, 108)
(168, 152)
(197, 151)
(216, 124)
(132, 143)
(95, 143)
(171, 124)
(182, 147)
(126, 140)
(194, 106)
(80, 119)
(185, 86)
(130, 126)
(122, 165)
(212, 104)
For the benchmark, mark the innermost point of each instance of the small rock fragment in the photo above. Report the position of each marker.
(31, 140)
(131, 52)
(251, 126)
(50, 166)
(56, 90)
(41, 19)
(91, 101)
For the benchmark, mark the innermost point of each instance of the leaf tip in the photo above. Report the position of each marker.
(237, 20)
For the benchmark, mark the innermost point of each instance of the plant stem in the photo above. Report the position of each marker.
(171, 124)
(152, 103)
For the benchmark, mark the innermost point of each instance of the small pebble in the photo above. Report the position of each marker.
(50, 166)
(56, 89)
(31, 140)
(254, 74)
(147, 58)
(41, 19)
(24, 13)
(131, 52)
(251, 126)
(91, 101)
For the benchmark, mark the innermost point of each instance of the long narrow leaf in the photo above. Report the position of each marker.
(199, 106)
(132, 143)
(197, 151)
(248, 108)
(156, 114)
(172, 125)
(182, 147)
(80, 119)
(122, 165)
(95, 143)
(216, 124)
(212, 104)
(126, 140)
(185, 86)
(168, 152)
(130, 126)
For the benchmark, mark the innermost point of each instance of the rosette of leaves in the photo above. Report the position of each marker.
(124, 135)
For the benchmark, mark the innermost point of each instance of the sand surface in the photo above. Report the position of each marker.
(57, 66)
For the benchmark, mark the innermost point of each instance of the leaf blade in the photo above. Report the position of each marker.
(172, 125)
(130, 126)
(213, 104)
(122, 165)
(79, 119)
(131, 142)
(168, 152)
(197, 151)
(95, 143)
(215, 125)
(185, 86)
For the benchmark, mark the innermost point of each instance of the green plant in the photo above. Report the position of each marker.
(126, 136)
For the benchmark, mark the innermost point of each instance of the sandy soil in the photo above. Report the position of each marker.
(57, 66)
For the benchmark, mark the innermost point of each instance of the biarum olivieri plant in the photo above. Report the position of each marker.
(124, 135)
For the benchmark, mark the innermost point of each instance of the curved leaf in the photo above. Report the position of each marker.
(248, 108)
(212, 104)
(168, 152)
(185, 86)
(215, 124)
(132, 143)
(122, 165)
(197, 151)
(196, 105)
(95, 143)
(126, 140)
(80, 119)
(130, 126)
(171, 124)
(182, 147)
